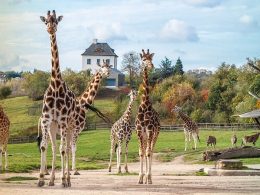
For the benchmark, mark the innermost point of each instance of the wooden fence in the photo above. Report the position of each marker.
(202, 126)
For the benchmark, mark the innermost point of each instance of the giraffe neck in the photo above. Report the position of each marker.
(127, 113)
(184, 117)
(55, 71)
(145, 96)
(91, 91)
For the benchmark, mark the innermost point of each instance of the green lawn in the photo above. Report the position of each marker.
(94, 146)
(23, 124)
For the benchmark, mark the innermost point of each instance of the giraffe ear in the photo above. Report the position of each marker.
(152, 54)
(59, 18)
(141, 56)
(43, 19)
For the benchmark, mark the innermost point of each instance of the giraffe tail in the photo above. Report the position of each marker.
(39, 137)
(100, 114)
(116, 146)
(198, 138)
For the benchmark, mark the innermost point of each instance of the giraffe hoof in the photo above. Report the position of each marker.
(76, 173)
(47, 173)
(41, 183)
(51, 183)
(140, 182)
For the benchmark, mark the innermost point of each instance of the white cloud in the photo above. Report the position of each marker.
(203, 3)
(177, 30)
(247, 20)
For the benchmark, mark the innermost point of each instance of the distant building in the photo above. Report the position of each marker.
(200, 72)
(2, 77)
(95, 54)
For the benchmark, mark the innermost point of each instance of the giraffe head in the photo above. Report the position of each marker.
(176, 109)
(132, 94)
(105, 69)
(51, 21)
(147, 59)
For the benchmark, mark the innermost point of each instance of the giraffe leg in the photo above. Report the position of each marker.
(186, 139)
(112, 148)
(148, 155)
(119, 153)
(6, 160)
(141, 155)
(194, 136)
(126, 156)
(73, 156)
(63, 153)
(52, 135)
(1, 154)
(43, 154)
(68, 152)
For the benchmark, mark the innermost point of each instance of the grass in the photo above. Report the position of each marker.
(23, 124)
(94, 146)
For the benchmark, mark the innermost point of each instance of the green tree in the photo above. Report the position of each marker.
(36, 83)
(178, 68)
(5, 91)
(131, 65)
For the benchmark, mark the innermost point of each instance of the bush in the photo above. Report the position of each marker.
(5, 91)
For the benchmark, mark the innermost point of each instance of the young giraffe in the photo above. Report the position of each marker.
(121, 131)
(82, 105)
(4, 136)
(190, 127)
(58, 112)
(147, 122)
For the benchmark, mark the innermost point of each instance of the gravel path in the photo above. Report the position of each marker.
(175, 177)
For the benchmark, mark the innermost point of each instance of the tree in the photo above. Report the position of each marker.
(77, 82)
(131, 65)
(5, 91)
(166, 68)
(36, 83)
(178, 69)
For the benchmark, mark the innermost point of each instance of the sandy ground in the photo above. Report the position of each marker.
(168, 178)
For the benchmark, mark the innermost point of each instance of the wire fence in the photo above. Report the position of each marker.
(173, 128)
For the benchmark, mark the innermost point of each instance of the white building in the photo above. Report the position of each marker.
(95, 54)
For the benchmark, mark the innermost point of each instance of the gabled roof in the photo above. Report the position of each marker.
(252, 114)
(99, 49)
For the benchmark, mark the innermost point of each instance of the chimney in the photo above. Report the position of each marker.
(95, 41)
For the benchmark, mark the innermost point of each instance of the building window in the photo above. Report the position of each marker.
(88, 61)
(108, 61)
(98, 61)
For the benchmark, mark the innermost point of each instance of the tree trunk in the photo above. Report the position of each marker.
(238, 152)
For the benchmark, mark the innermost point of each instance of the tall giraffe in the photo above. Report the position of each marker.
(4, 136)
(83, 103)
(147, 122)
(190, 127)
(121, 131)
(58, 112)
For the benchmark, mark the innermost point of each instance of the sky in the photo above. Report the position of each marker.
(203, 33)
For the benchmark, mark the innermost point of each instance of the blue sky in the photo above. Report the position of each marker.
(203, 33)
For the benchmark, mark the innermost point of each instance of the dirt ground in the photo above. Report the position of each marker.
(175, 177)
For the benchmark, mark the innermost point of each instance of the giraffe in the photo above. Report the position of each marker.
(190, 127)
(147, 122)
(58, 112)
(121, 131)
(4, 136)
(82, 105)
(84, 101)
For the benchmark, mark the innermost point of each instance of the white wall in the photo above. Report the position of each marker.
(93, 66)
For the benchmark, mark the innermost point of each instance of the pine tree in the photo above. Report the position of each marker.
(178, 69)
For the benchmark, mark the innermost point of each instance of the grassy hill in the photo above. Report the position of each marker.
(24, 113)
(94, 146)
